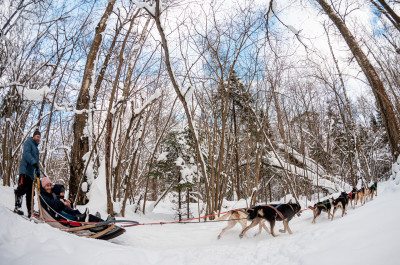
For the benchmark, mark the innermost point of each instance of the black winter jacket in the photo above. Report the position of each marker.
(50, 200)
(57, 189)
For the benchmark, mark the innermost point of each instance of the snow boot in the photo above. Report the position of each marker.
(18, 211)
(83, 217)
(110, 218)
(87, 215)
(18, 204)
(80, 217)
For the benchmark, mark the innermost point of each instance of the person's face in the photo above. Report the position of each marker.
(36, 138)
(62, 194)
(48, 188)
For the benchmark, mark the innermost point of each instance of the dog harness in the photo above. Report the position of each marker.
(323, 203)
(276, 210)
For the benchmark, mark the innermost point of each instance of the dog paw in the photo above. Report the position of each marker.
(240, 236)
(282, 231)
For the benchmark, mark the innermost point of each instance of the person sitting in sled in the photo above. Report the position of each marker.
(49, 200)
(59, 190)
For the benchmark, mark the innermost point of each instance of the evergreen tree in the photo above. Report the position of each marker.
(176, 166)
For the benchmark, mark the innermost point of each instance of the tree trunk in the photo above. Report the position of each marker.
(236, 147)
(81, 141)
(384, 105)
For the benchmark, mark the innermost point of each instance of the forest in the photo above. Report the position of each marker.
(202, 101)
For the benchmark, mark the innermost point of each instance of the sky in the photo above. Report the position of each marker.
(303, 17)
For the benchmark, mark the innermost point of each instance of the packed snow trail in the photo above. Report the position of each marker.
(367, 235)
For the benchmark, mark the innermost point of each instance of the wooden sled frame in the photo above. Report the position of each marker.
(110, 230)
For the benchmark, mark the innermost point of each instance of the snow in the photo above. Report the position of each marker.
(153, 97)
(179, 161)
(162, 157)
(333, 184)
(84, 187)
(396, 172)
(33, 94)
(97, 194)
(150, 8)
(363, 236)
(293, 29)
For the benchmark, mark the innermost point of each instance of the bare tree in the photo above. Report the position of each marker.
(382, 99)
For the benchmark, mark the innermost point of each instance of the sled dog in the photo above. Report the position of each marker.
(340, 202)
(239, 216)
(360, 196)
(352, 196)
(373, 189)
(324, 206)
(273, 213)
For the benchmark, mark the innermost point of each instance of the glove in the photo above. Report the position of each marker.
(36, 166)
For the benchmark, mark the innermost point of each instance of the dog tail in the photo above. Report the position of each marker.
(223, 217)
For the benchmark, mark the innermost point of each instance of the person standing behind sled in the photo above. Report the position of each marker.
(27, 169)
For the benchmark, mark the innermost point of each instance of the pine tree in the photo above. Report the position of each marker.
(176, 166)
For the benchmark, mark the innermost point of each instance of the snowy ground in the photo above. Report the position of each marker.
(367, 235)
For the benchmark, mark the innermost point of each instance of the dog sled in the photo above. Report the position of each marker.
(98, 230)
(104, 230)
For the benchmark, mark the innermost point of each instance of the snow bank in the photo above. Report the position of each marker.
(332, 186)
(97, 194)
(395, 178)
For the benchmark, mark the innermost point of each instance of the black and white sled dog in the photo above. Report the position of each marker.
(373, 189)
(239, 216)
(324, 206)
(273, 213)
(340, 202)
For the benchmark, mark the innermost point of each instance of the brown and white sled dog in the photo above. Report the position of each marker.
(324, 206)
(367, 195)
(239, 216)
(360, 196)
(273, 213)
(340, 202)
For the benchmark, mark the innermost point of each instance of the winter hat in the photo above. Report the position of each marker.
(45, 181)
(36, 132)
(58, 188)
